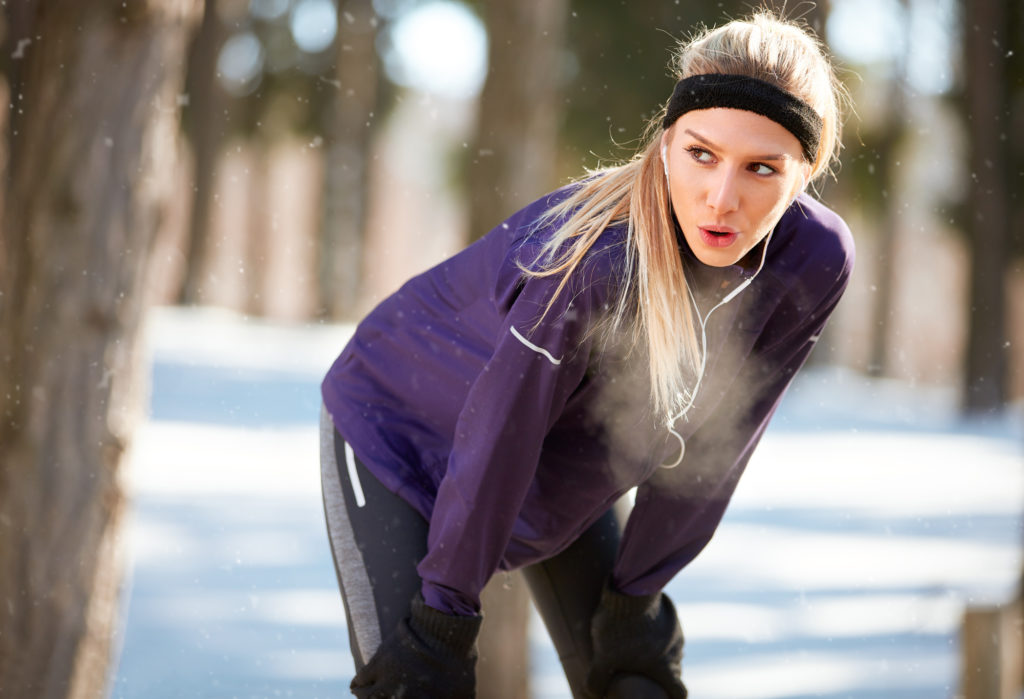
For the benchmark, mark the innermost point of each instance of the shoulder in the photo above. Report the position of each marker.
(812, 248)
(529, 222)
(530, 243)
(809, 263)
(817, 233)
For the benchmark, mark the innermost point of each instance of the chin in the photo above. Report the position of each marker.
(717, 258)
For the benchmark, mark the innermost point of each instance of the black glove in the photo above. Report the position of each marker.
(636, 635)
(430, 654)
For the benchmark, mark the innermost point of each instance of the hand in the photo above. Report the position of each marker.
(636, 635)
(430, 655)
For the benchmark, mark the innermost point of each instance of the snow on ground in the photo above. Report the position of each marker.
(866, 521)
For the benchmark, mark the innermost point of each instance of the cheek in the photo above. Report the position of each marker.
(769, 215)
(684, 184)
(772, 201)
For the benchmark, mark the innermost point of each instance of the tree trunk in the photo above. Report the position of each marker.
(987, 104)
(515, 152)
(348, 140)
(893, 131)
(514, 162)
(258, 236)
(824, 354)
(204, 125)
(992, 652)
(88, 142)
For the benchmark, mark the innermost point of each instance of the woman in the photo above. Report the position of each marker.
(634, 329)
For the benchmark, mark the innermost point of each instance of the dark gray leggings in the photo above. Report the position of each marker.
(377, 540)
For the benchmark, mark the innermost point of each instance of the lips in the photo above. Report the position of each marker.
(718, 236)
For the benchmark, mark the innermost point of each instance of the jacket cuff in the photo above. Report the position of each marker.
(455, 634)
(621, 605)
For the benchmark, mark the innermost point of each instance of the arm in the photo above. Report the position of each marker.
(498, 437)
(635, 630)
(677, 510)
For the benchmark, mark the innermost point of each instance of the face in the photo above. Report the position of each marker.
(732, 174)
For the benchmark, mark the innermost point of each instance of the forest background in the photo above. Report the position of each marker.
(296, 160)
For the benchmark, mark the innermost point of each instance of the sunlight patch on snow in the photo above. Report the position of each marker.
(887, 474)
(825, 617)
(725, 621)
(185, 458)
(316, 664)
(875, 615)
(203, 610)
(777, 675)
(265, 549)
(154, 544)
(795, 559)
(308, 607)
(821, 395)
(246, 539)
(221, 338)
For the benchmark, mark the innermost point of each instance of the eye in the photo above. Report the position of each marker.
(700, 155)
(762, 169)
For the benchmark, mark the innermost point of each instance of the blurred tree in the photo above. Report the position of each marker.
(96, 88)
(1015, 84)
(513, 163)
(886, 142)
(204, 123)
(987, 107)
(281, 87)
(348, 128)
(520, 109)
(1014, 80)
(258, 249)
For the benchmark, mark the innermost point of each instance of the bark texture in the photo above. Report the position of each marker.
(90, 138)
(348, 139)
(989, 207)
(205, 127)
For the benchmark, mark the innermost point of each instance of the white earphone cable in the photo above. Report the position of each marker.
(692, 394)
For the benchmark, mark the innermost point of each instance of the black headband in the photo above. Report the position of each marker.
(712, 90)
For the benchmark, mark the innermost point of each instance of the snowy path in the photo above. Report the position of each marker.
(864, 523)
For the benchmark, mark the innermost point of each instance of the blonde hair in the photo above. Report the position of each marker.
(654, 304)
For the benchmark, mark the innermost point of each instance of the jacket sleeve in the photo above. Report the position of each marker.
(498, 436)
(678, 509)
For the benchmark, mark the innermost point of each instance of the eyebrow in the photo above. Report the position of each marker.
(706, 142)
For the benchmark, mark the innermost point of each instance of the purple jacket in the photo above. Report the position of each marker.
(512, 436)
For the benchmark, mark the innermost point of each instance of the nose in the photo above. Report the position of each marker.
(723, 191)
